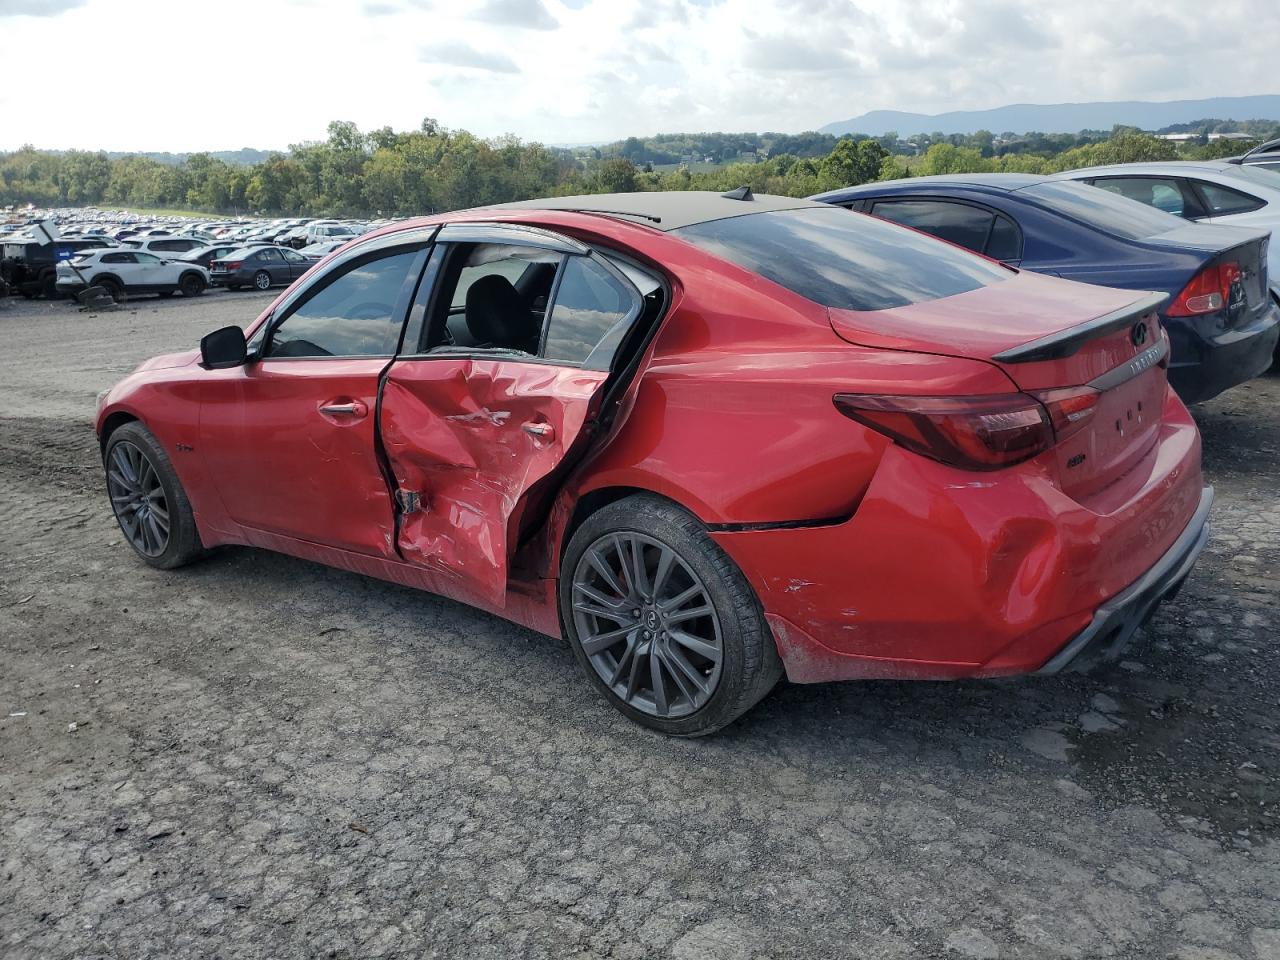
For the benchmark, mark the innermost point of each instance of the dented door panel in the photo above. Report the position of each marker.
(471, 437)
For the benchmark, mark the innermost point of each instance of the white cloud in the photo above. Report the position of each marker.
(586, 70)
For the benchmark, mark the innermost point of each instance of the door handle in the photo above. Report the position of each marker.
(543, 431)
(348, 408)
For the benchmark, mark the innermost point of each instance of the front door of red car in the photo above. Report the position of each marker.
(290, 437)
(498, 391)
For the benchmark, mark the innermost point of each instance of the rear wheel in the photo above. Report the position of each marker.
(191, 285)
(148, 500)
(262, 280)
(112, 287)
(663, 622)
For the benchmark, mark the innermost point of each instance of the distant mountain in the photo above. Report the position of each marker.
(1060, 117)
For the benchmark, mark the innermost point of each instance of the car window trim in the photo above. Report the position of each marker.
(367, 254)
(870, 203)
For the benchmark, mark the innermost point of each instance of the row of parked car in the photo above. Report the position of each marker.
(128, 255)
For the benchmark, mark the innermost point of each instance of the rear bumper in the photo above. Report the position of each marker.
(1117, 620)
(1204, 366)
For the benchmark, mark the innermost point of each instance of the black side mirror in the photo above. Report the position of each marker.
(223, 348)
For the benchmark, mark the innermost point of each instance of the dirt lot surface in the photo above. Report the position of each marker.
(260, 757)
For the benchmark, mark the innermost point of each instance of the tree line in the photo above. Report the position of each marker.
(388, 173)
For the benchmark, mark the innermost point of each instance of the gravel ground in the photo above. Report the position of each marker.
(260, 757)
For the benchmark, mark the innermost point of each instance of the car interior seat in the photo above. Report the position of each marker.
(497, 316)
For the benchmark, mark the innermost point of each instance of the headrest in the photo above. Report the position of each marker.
(496, 313)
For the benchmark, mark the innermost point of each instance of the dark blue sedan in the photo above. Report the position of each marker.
(1222, 325)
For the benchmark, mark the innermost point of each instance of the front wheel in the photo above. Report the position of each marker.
(148, 500)
(262, 280)
(664, 623)
(191, 285)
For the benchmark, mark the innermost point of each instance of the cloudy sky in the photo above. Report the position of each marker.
(221, 74)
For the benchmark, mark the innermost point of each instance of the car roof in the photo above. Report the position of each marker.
(665, 210)
(1003, 182)
(1231, 173)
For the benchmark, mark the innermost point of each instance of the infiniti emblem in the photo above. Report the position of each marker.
(1138, 334)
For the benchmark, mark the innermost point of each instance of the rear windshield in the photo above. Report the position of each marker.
(1109, 212)
(846, 260)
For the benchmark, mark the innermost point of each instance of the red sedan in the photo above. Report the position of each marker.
(707, 439)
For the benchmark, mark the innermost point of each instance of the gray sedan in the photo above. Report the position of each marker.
(260, 267)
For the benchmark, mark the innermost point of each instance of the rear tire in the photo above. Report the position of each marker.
(113, 288)
(191, 285)
(728, 646)
(147, 498)
(262, 280)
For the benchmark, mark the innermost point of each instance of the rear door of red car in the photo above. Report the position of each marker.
(291, 436)
(506, 358)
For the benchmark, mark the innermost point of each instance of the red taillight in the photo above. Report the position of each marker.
(976, 433)
(1209, 290)
(1070, 408)
(234, 265)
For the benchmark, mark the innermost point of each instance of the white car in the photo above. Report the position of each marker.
(122, 272)
(169, 246)
(1209, 191)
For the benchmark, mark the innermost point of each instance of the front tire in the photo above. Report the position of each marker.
(148, 500)
(191, 285)
(262, 280)
(663, 622)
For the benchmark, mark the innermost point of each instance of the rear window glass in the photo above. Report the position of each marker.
(1224, 201)
(845, 260)
(1108, 212)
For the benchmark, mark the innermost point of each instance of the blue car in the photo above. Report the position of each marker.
(1222, 324)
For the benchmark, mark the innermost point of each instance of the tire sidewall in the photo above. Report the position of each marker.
(671, 526)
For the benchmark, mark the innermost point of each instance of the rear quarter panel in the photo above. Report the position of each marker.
(733, 417)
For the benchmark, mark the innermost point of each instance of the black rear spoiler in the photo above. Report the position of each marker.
(1064, 343)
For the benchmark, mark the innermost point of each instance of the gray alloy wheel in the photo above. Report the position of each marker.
(262, 280)
(646, 624)
(662, 621)
(148, 500)
(138, 499)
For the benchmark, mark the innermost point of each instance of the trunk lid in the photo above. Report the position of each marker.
(1048, 334)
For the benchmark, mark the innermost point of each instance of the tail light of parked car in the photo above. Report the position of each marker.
(1208, 291)
(975, 433)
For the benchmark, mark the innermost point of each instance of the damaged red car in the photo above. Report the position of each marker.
(707, 439)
